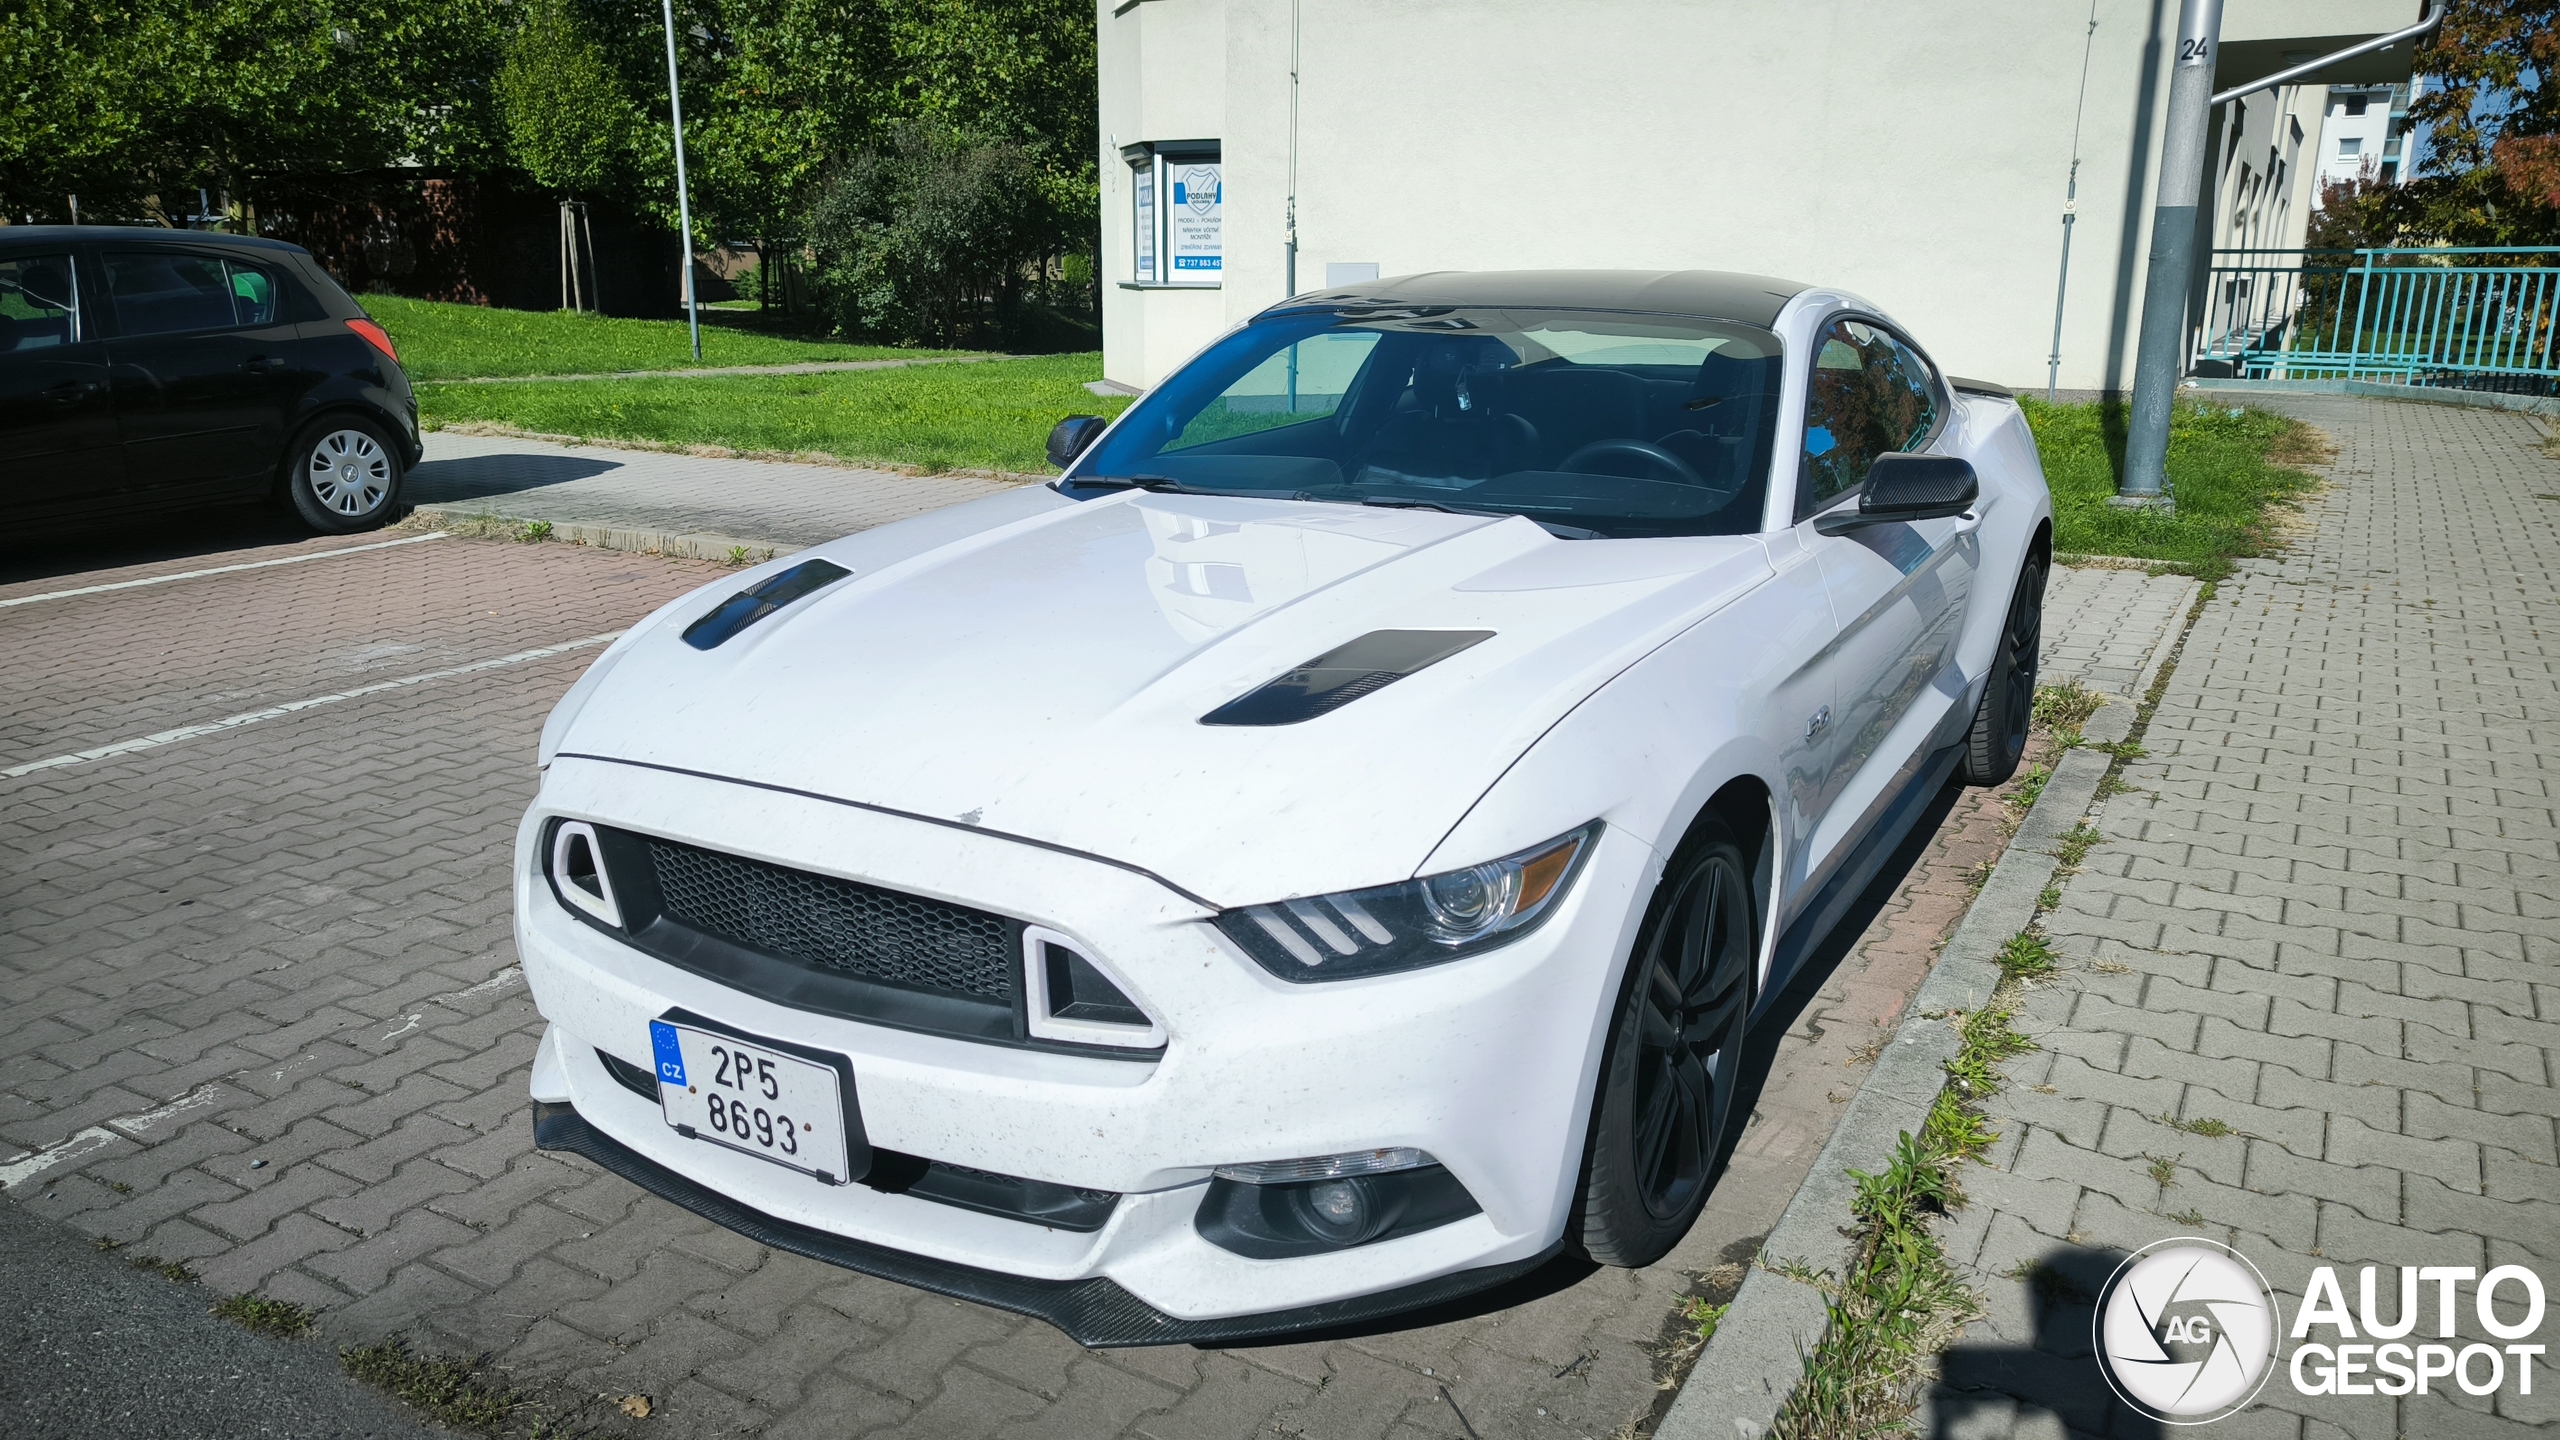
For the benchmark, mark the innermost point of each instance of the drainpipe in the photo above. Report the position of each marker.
(2070, 207)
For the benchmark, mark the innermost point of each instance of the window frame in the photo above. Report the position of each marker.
(1155, 159)
(83, 327)
(1805, 509)
(283, 304)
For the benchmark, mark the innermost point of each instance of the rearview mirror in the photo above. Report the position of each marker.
(1904, 486)
(1073, 436)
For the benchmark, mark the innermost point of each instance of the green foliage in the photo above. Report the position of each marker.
(569, 120)
(2230, 470)
(2026, 956)
(989, 415)
(166, 1269)
(2066, 706)
(927, 240)
(267, 1317)
(440, 341)
(453, 1392)
(2075, 843)
(134, 106)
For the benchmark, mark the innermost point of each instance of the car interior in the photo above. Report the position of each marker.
(1635, 434)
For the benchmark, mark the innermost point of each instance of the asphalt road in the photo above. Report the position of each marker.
(98, 1348)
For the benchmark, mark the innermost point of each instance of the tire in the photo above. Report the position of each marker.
(342, 474)
(1999, 734)
(1664, 1108)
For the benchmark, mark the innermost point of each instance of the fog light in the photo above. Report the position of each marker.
(1342, 1211)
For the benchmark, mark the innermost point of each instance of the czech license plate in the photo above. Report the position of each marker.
(753, 1097)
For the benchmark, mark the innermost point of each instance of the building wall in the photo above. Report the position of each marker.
(2362, 146)
(1916, 153)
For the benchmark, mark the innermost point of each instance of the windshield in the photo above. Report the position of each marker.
(1591, 423)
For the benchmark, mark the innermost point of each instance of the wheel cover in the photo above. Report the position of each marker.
(1693, 994)
(2024, 635)
(348, 473)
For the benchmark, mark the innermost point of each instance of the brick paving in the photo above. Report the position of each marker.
(2324, 916)
(764, 503)
(266, 1019)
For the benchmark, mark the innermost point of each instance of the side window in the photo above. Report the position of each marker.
(39, 302)
(1870, 393)
(157, 293)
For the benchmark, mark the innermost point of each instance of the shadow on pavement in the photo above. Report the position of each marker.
(108, 545)
(478, 477)
(1982, 1387)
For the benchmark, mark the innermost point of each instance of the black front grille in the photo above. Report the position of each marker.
(840, 925)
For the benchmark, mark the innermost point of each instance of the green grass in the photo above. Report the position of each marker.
(2231, 470)
(458, 1393)
(439, 341)
(991, 415)
(267, 1317)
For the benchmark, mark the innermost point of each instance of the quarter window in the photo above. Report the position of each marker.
(157, 293)
(39, 303)
(1870, 394)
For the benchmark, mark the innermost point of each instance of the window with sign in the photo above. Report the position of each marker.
(1177, 213)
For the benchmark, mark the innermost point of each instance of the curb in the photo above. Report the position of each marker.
(1756, 1358)
(686, 546)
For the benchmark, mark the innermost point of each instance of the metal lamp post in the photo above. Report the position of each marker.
(684, 203)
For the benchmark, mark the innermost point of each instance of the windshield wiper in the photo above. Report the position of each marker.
(1389, 502)
(1160, 484)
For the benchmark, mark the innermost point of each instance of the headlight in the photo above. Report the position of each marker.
(1413, 923)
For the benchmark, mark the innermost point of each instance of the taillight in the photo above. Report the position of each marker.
(374, 336)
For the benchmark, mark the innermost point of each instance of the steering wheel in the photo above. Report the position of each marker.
(1644, 450)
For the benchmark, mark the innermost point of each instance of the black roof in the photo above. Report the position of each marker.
(1711, 294)
(14, 237)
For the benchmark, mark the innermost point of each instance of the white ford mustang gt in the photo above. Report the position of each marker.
(1321, 855)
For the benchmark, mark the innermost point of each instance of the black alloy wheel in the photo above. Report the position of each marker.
(1666, 1104)
(1998, 738)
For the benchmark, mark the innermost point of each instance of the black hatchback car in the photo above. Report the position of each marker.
(148, 370)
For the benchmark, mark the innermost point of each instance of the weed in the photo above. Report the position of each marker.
(267, 1317)
(2026, 956)
(119, 1187)
(2164, 1171)
(2121, 749)
(167, 1269)
(2023, 799)
(2051, 1285)
(2066, 706)
(2074, 845)
(2049, 896)
(2208, 1128)
(103, 1245)
(1979, 875)
(1703, 1316)
(2109, 967)
(454, 1392)
(534, 531)
(2189, 1216)
(737, 556)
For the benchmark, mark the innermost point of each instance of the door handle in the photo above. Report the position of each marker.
(259, 365)
(71, 392)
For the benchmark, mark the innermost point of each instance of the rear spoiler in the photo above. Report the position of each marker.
(1981, 387)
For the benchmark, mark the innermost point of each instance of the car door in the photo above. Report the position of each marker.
(200, 360)
(57, 425)
(1898, 591)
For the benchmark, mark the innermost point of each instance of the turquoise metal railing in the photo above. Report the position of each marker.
(2422, 317)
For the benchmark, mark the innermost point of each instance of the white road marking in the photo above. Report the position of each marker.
(218, 570)
(143, 1124)
(272, 712)
(28, 1166)
(23, 1168)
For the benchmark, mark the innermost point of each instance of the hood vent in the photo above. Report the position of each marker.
(1344, 674)
(761, 599)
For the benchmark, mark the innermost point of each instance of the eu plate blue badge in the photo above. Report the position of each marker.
(662, 1038)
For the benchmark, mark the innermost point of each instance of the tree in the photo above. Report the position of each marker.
(569, 120)
(929, 240)
(2492, 115)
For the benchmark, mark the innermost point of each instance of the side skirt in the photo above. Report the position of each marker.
(1852, 878)
(1095, 1313)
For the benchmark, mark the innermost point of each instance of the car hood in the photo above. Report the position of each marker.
(1037, 667)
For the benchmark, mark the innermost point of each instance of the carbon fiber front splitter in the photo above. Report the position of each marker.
(1095, 1313)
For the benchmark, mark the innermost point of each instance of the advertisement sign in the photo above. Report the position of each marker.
(1195, 223)
(1144, 177)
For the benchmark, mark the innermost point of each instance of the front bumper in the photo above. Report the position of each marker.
(1095, 1313)
(1485, 1063)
